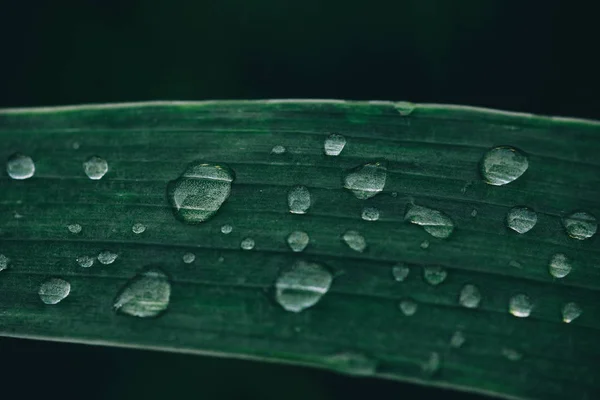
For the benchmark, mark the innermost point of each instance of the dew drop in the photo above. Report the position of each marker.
(355, 241)
(366, 180)
(85, 261)
(226, 229)
(138, 228)
(188, 258)
(353, 363)
(106, 257)
(433, 364)
(54, 290)
(400, 272)
(200, 192)
(408, 307)
(435, 222)
(502, 165)
(570, 312)
(334, 144)
(434, 274)
(470, 296)
(20, 166)
(580, 225)
(299, 200)
(559, 266)
(95, 167)
(405, 108)
(247, 244)
(370, 214)
(511, 354)
(521, 219)
(278, 149)
(424, 244)
(146, 295)
(302, 285)
(298, 241)
(474, 213)
(520, 306)
(457, 340)
(515, 264)
(4, 262)
(74, 228)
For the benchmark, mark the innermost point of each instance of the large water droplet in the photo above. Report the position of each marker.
(226, 229)
(457, 340)
(146, 295)
(400, 272)
(470, 296)
(106, 257)
(302, 285)
(334, 144)
(4, 262)
(279, 149)
(559, 265)
(188, 258)
(521, 219)
(355, 241)
(299, 200)
(20, 166)
(520, 306)
(85, 261)
(408, 307)
(502, 165)
(570, 312)
(200, 191)
(298, 240)
(580, 225)
(247, 244)
(435, 222)
(74, 228)
(367, 180)
(434, 274)
(370, 214)
(138, 228)
(95, 167)
(54, 290)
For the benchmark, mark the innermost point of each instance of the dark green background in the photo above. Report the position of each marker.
(539, 57)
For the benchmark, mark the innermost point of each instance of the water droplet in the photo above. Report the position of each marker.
(54, 290)
(400, 272)
(278, 149)
(520, 306)
(302, 285)
(146, 295)
(580, 225)
(4, 262)
(106, 257)
(511, 354)
(521, 219)
(435, 222)
(433, 363)
(353, 363)
(200, 192)
(298, 240)
(138, 228)
(74, 228)
(334, 144)
(20, 166)
(515, 264)
(470, 297)
(95, 167)
(247, 244)
(226, 229)
(85, 261)
(502, 165)
(355, 241)
(434, 274)
(424, 244)
(299, 200)
(474, 213)
(408, 307)
(405, 108)
(370, 214)
(367, 180)
(188, 258)
(570, 312)
(457, 340)
(559, 265)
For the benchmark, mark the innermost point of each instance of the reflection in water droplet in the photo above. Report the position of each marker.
(400, 272)
(433, 363)
(95, 167)
(370, 214)
(434, 274)
(74, 228)
(299, 200)
(138, 228)
(580, 225)
(408, 307)
(502, 165)
(457, 340)
(521, 219)
(511, 354)
(405, 108)
(298, 241)
(570, 312)
(146, 295)
(302, 285)
(470, 297)
(520, 306)
(106, 257)
(85, 261)
(20, 166)
(226, 229)
(54, 290)
(367, 180)
(4, 262)
(247, 244)
(435, 222)
(559, 265)
(424, 244)
(188, 258)
(278, 149)
(355, 241)
(200, 191)
(334, 144)
(352, 363)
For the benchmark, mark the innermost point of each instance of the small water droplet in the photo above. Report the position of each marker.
(200, 192)
(353, 363)
(54, 290)
(434, 274)
(394, 194)
(85, 261)
(370, 214)
(302, 285)
(75, 145)
(435, 222)
(298, 241)
(366, 180)
(106, 257)
(278, 149)
(408, 307)
(299, 200)
(188, 258)
(521, 219)
(20, 166)
(146, 295)
(95, 167)
(580, 225)
(432, 365)
(400, 272)
(570, 312)
(355, 241)
(4, 262)
(74, 228)
(511, 354)
(457, 340)
(226, 229)
(138, 228)
(334, 144)
(405, 108)
(559, 266)
(424, 244)
(520, 306)
(474, 213)
(470, 297)
(515, 264)
(247, 244)
(502, 165)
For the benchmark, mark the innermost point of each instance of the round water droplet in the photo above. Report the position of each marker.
(226, 229)
(138, 228)
(521, 219)
(4, 262)
(302, 285)
(355, 241)
(424, 244)
(370, 214)
(474, 213)
(457, 340)
(298, 240)
(20, 167)
(367, 180)
(299, 200)
(146, 295)
(520, 306)
(334, 144)
(470, 297)
(570, 312)
(580, 225)
(95, 167)
(511, 354)
(200, 192)
(247, 244)
(400, 272)
(405, 108)
(502, 165)
(188, 258)
(74, 228)
(434, 274)
(408, 307)
(54, 290)
(559, 265)
(278, 149)
(85, 261)
(106, 257)
(435, 222)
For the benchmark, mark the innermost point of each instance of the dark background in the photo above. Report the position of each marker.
(530, 56)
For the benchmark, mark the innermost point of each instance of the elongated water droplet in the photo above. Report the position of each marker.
(302, 285)
(298, 240)
(226, 229)
(188, 258)
(470, 297)
(106, 257)
(299, 200)
(20, 166)
(247, 244)
(559, 265)
(138, 228)
(502, 165)
(334, 144)
(353, 363)
(457, 340)
(200, 192)
(520, 306)
(511, 354)
(580, 225)
(355, 241)
(408, 307)
(515, 264)
(370, 214)
(521, 219)
(85, 261)
(278, 149)
(570, 312)
(146, 295)
(435, 222)
(405, 108)
(367, 180)
(433, 364)
(4, 262)
(400, 272)
(434, 274)
(74, 228)
(54, 290)
(95, 167)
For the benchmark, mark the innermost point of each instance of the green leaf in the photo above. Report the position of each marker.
(445, 323)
